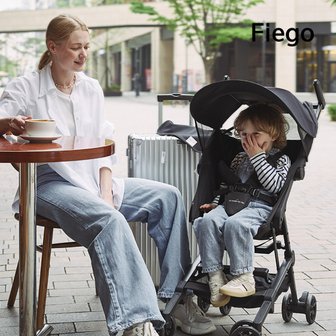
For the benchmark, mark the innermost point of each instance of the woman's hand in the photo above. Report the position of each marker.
(15, 125)
(108, 198)
(106, 192)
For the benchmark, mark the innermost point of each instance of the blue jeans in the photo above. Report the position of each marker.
(161, 206)
(123, 283)
(216, 231)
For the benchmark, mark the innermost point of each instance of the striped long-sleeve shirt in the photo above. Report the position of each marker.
(271, 178)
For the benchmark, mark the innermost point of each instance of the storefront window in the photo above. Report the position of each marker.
(141, 67)
(317, 60)
(329, 56)
(254, 61)
(306, 66)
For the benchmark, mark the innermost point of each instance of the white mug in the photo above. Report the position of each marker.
(40, 127)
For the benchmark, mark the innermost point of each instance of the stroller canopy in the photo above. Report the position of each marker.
(215, 103)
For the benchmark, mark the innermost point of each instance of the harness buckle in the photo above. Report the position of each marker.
(242, 187)
(255, 192)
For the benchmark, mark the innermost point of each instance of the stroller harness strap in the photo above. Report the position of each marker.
(236, 195)
(249, 189)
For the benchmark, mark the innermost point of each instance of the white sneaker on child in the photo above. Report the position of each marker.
(240, 286)
(216, 281)
(141, 329)
(191, 319)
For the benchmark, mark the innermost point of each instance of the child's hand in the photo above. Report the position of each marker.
(208, 207)
(251, 146)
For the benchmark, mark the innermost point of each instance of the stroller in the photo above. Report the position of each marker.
(212, 108)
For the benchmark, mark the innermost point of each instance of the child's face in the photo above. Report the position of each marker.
(251, 135)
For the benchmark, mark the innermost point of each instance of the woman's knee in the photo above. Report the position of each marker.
(86, 224)
(111, 224)
(169, 192)
(153, 196)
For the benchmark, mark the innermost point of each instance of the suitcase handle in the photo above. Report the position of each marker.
(172, 96)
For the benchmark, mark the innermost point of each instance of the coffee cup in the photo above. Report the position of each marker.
(40, 127)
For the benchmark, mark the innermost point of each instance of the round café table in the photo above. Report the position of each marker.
(27, 155)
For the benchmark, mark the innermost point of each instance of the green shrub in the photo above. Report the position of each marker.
(114, 87)
(332, 111)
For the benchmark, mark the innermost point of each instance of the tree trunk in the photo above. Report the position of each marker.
(208, 69)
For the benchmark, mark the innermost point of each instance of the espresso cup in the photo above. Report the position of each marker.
(40, 127)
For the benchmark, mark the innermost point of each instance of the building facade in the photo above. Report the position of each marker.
(163, 62)
(128, 51)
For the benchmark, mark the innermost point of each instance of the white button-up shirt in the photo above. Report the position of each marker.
(35, 95)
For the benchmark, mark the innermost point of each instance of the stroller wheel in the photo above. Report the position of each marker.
(310, 308)
(245, 331)
(286, 307)
(170, 326)
(203, 304)
(244, 328)
(225, 310)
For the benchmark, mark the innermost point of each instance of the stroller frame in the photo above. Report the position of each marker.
(268, 286)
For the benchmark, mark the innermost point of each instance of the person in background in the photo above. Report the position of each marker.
(91, 205)
(137, 84)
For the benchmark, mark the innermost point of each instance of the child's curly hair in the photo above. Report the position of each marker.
(267, 118)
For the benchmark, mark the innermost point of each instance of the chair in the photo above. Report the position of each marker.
(45, 249)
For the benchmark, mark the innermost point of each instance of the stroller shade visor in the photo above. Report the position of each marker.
(216, 102)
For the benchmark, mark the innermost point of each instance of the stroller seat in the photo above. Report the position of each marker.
(212, 106)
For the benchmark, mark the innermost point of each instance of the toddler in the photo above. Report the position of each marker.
(262, 170)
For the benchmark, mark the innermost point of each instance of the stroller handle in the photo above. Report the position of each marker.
(174, 96)
(319, 94)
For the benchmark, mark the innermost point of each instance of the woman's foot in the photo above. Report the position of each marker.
(216, 281)
(141, 329)
(240, 286)
(191, 319)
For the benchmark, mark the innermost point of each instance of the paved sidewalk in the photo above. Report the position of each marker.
(73, 308)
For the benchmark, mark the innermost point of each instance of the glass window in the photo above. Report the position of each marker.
(329, 59)
(258, 67)
(317, 59)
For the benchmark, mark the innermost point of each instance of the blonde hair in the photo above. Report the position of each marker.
(59, 30)
(266, 118)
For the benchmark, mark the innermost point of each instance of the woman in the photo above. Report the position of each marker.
(93, 207)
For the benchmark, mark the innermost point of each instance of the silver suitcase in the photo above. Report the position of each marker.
(169, 160)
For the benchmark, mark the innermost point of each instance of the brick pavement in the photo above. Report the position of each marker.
(73, 308)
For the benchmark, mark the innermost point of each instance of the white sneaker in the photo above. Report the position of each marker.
(191, 319)
(141, 329)
(216, 281)
(241, 286)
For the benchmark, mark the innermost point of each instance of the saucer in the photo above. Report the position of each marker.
(40, 139)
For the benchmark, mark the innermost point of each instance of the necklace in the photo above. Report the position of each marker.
(66, 87)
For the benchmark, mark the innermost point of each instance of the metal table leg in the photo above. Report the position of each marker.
(27, 238)
(46, 330)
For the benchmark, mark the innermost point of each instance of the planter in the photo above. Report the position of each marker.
(332, 112)
(112, 93)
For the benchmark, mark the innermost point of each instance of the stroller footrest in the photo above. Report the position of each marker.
(267, 249)
(172, 304)
(198, 288)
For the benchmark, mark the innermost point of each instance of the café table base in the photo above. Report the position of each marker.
(27, 238)
(27, 155)
(46, 330)
(27, 250)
